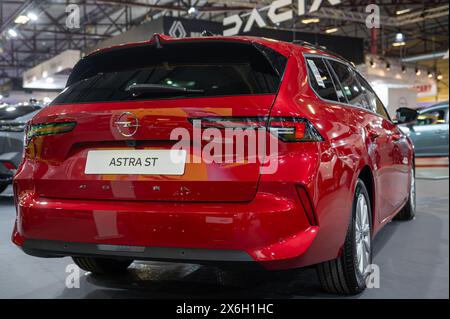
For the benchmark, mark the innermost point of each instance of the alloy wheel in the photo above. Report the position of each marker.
(362, 235)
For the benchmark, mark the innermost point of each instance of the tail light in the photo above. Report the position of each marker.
(48, 129)
(230, 122)
(10, 166)
(287, 129)
(294, 129)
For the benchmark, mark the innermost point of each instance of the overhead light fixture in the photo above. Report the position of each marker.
(32, 16)
(13, 33)
(373, 65)
(403, 69)
(388, 66)
(399, 37)
(21, 19)
(399, 40)
(192, 11)
(440, 77)
(398, 44)
(331, 30)
(418, 72)
(430, 74)
(403, 11)
(310, 20)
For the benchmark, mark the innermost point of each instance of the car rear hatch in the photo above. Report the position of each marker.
(174, 83)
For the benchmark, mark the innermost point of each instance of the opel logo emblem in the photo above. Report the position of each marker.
(127, 124)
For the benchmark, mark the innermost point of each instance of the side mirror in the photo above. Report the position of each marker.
(406, 115)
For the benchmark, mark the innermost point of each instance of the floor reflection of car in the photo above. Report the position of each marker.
(12, 126)
(429, 132)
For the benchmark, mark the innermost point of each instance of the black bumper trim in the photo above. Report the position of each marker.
(49, 249)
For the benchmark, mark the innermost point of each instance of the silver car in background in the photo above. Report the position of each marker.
(13, 119)
(429, 131)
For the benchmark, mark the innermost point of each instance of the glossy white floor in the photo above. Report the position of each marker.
(413, 258)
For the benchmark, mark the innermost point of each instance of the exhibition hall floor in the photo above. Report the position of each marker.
(413, 258)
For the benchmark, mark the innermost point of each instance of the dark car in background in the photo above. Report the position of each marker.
(429, 132)
(13, 119)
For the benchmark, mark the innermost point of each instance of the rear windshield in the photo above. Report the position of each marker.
(204, 69)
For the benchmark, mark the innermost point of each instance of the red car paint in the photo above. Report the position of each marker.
(228, 207)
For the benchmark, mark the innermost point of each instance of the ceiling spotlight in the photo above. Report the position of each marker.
(388, 66)
(398, 44)
(13, 33)
(418, 72)
(22, 19)
(331, 30)
(192, 11)
(373, 65)
(440, 77)
(399, 40)
(399, 37)
(403, 69)
(400, 12)
(430, 75)
(310, 20)
(32, 16)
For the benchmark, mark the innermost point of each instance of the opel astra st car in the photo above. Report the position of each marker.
(98, 181)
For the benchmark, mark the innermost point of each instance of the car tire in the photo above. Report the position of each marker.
(102, 266)
(2, 188)
(347, 274)
(408, 212)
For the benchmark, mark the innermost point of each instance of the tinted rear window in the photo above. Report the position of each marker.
(216, 69)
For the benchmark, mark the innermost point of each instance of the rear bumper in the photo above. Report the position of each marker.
(270, 229)
(50, 249)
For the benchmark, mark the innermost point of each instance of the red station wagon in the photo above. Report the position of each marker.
(98, 182)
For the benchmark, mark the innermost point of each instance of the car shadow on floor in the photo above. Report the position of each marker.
(176, 281)
(156, 280)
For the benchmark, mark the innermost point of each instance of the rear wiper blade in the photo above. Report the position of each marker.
(159, 88)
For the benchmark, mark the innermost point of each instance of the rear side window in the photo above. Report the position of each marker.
(375, 104)
(204, 69)
(320, 79)
(350, 86)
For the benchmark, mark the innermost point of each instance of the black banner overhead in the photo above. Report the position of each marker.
(348, 47)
